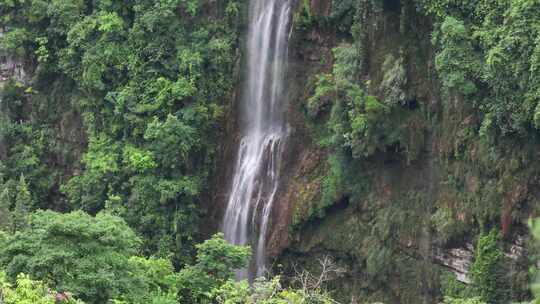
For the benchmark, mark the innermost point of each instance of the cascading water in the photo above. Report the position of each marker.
(263, 130)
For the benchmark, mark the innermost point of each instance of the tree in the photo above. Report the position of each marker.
(28, 291)
(75, 252)
(216, 262)
(95, 259)
(157, 279)
(15, 204)
(23, 203)
(6, 219)
(266, 291)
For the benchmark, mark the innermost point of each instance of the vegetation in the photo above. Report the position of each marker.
(95, 259)
(149, 80)
(535, 275)
(463, 301)
(488, 271)
(29, 291)
(425, 114)
(72, 250)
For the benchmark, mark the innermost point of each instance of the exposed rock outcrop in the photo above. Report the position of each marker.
(11, 67)
(457, 260)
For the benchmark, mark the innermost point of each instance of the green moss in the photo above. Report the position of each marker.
(451, 287)
(332, 186)
(489, 277)
(303, 19)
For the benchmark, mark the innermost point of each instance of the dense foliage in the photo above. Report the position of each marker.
(28, 291)
(149, 80)
(112, 112)
(74, 249)
(488, 271)
(96, 260)
(488, 56)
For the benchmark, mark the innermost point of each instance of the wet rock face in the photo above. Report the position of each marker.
(310, 53)
(457, 260)
(345, 232)
(11, 67)
(517, 249)
(321, 7)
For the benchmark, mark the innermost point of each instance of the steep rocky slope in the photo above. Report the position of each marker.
(404, 219)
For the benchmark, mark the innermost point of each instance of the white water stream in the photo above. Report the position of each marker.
(263, 130)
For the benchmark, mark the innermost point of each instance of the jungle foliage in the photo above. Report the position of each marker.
(97, 260)
(115, 123)
(142, 86)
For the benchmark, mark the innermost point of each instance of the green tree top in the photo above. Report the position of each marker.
(75, 252)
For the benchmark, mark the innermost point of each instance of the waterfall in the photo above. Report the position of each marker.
(263, 130)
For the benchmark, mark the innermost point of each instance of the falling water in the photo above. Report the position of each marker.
(263, 130)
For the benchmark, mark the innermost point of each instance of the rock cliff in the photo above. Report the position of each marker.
(401, 218)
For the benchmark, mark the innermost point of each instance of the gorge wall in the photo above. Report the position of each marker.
(402, 208)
